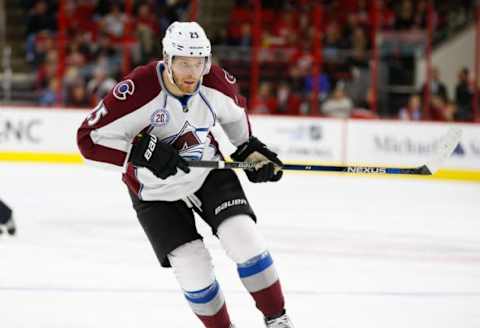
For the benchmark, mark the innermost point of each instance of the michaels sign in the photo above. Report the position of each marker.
(409, 143)
(405, 145)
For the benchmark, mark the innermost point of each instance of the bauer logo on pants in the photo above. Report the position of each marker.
(230, 203)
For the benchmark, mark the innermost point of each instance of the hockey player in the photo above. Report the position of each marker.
(149, 126)
(6, 220)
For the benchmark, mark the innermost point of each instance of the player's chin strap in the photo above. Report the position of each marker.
(445, 146)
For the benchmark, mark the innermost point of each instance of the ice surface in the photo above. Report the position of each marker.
(350, 251)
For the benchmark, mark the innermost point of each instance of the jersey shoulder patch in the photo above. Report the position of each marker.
(221, 80)
(123, 89)
(135, 90)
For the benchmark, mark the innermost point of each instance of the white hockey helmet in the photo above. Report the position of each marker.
(186, 39)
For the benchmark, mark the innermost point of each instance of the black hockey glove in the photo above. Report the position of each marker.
(268, 167)
(160, 158)
(8, 226)
(6, 220)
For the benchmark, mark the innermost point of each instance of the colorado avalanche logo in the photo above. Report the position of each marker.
(189, 141)
(122, 89)
(229, 77)
(159, 118)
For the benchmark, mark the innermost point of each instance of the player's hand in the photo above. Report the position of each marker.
(160, 158)
(267, 165)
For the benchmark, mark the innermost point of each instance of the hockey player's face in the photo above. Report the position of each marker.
(187, 71)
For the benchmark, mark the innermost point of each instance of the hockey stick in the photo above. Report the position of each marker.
(446, 146)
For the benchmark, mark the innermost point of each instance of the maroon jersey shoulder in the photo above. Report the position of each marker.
(135, 90)
(221, 80)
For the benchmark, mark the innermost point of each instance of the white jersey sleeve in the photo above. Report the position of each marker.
(230, 105)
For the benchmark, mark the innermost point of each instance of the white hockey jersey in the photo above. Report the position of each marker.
(141, 103)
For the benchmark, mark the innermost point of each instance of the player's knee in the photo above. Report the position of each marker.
(192, 265)
(241, 239)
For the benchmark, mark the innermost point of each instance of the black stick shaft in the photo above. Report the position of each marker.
(422, 170)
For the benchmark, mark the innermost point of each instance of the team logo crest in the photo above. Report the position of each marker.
(123, 89)
(229, 77)
(160, 117)
(189, 141)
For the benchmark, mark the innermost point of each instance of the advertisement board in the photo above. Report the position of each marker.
(39, 130)
(406, 143)
(49, 135)
(301, 139)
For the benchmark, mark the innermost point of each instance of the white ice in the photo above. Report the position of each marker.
(350, 251)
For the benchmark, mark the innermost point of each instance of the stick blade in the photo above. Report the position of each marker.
(446, 146)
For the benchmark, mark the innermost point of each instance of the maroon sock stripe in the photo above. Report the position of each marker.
(220, 319)
(270, 300)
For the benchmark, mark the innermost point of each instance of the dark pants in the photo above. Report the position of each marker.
(169, 225)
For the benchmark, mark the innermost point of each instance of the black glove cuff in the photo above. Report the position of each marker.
(255, 145)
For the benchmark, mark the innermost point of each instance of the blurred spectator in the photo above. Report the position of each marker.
(464, 96)
(405, 18)
(323, 85)
(42, 42)
(302, 59)
(412, 111)
(47, 70)
(75, 64)
(49, 94)
(113, 24)
(99, 85)
(265, 102)
(338, 105)
(103, 7)
(362, 15)
(441, 110)
(388, 14)
(104, 50)
(437, 87)
(284, 29)
(79, 17)
(420, 17)
(287, 102)
(245, 39)
(240, 15)
(76, 95)
(296, 79)
(359, 56)
(358, 87)
(147, 31)
(39, 19)
(176, 9)
(81, 42)
(333, 42)
(366, 102)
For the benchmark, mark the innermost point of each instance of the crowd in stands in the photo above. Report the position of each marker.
(289, 29)
(97, 31)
